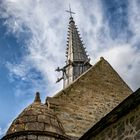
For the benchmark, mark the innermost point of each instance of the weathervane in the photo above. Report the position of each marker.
(69, 11)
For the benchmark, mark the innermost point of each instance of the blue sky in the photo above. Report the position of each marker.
(33, 41)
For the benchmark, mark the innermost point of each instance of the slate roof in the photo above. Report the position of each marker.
(75, 51)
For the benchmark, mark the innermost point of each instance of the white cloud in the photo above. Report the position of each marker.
(134, 17)
(3, 130)
(126, 62)
(47, 23)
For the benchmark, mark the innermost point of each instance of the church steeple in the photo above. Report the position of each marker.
(77, 60)
(75, 49)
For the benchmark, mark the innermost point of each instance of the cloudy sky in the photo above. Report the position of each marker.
(33, 41)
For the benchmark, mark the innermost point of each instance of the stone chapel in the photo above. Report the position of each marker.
(94, 104)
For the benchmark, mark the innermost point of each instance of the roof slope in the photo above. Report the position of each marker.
(130, 104)
(36, 120)
(89, 98)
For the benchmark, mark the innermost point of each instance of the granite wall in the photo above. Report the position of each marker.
(126, 128)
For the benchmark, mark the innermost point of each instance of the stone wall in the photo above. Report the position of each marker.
(34, 137)
(89, 98)
(126, 128)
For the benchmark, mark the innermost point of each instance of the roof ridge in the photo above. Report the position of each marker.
(93, 66)
(83, 74)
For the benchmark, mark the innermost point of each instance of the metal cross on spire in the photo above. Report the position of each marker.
(69, 11)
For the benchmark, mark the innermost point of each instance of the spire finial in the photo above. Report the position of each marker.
(37, 98)
(69, 11)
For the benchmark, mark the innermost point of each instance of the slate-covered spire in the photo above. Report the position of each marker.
(77, 60)
(75, 48)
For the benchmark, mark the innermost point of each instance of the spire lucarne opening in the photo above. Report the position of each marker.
(77, 61)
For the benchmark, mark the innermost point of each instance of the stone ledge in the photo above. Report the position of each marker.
(35, 133)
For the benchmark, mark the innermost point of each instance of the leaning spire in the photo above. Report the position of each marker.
(77, 60)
